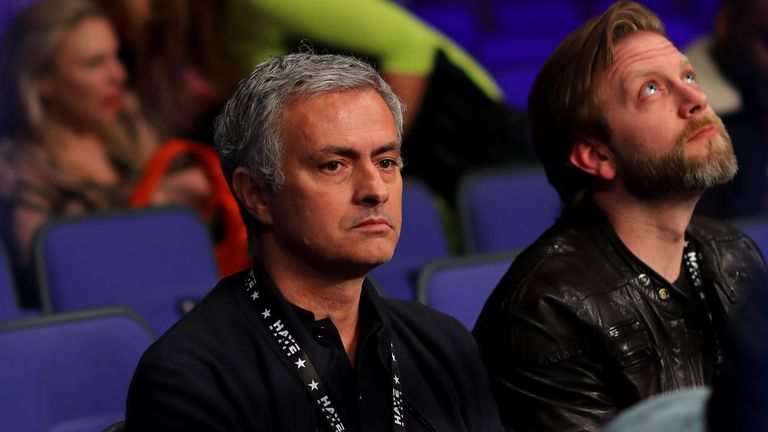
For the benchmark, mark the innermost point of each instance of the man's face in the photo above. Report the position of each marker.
(664, 134)
(340, 205)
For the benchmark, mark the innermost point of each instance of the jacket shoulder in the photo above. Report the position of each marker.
(733, 248)
(570, 263)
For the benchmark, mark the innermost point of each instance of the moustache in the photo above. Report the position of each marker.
(373, 214)
(694, 126)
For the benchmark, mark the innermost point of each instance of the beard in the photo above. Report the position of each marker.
(651, 176)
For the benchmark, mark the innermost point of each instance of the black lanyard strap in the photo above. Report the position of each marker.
(691, 258)
(264, 305)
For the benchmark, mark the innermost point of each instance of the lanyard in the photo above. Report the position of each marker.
(264, 305)
(691, 260)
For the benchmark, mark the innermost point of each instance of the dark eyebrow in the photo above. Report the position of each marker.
(341, 151)
(387, 148)
(352, 153)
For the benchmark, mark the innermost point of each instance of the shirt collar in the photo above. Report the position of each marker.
(370, 321)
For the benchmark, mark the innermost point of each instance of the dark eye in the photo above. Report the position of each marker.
(95, 62)
(689, 77)
(332, 166)
(389, 163)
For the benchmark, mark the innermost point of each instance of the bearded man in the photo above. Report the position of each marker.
(627, 294)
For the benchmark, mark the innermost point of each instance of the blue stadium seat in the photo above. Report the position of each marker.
(516, 83)
(156, 261)
(460, 286)
(9, 304)
(556, 18)
(69, 372)
(506, 209)
(422, 239)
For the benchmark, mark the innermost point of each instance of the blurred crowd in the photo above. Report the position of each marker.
(95, 91)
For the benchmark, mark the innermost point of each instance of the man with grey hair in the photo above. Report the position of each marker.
(311, 147)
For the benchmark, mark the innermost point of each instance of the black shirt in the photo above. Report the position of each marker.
(693, 311)
(219, 369)
(364, 391)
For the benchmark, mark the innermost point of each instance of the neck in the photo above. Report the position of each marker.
(654, 231)
(70, 135)
(325, 295)
(83, 154)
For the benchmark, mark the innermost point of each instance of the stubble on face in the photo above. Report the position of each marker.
(650, 176)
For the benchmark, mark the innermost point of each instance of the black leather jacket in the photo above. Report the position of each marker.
(579, 328)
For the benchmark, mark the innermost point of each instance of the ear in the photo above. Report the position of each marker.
(594, 157)
(251, 195)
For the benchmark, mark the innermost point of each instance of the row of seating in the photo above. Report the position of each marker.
(74, 367)
(156, 261)
(103, 259)
(159, 262)
(501, 209)
(69, 372)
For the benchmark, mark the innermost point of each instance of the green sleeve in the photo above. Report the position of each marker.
(376, 28)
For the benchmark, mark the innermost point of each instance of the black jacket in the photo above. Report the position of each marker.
(219, 369)
(579, 328)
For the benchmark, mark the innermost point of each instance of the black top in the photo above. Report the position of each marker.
(693, 309)
(363, 391)
(219, 369)
(578, 329)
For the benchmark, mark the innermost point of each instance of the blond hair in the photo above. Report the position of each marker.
(27, 54)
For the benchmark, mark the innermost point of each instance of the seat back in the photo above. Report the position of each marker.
(9, 306)
(460, 286)
(505, 209)
(422, 239)
(155, 261)
(69, 371)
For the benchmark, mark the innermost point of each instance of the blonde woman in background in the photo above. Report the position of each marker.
(73, 138)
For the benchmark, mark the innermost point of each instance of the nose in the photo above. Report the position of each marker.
(117, 71)
(694, 102)
(370, 188)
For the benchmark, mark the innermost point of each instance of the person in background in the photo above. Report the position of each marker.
(733, 71)
(72, 137)
(311, 146)
(626, 295)
(193, 53)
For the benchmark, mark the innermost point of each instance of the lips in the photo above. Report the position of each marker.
(113, 102)
(705, 132)
(373, 222)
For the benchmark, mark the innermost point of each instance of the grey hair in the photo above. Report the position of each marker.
(247, 132)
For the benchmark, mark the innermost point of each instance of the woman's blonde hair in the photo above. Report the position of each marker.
(27, 54)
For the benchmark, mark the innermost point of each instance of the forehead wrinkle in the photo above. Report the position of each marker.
(640, 54)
